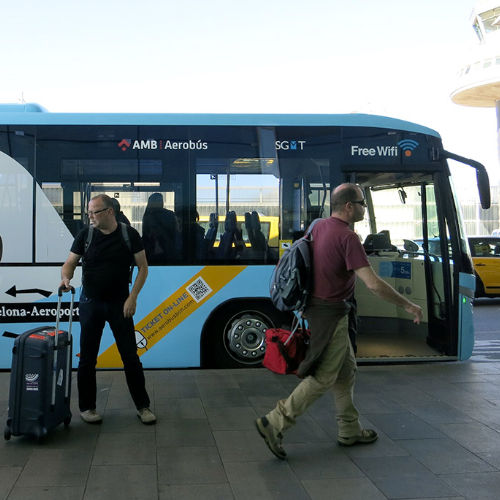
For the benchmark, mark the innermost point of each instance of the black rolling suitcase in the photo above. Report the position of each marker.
(40, 380)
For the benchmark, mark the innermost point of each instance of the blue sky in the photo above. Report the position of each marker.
(392, 57)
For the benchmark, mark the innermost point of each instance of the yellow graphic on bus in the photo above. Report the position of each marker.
(173, 310)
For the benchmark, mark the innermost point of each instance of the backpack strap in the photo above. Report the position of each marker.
(126, 239)
(90, 234)
(307, 258)
(310, 228)
(125, 235)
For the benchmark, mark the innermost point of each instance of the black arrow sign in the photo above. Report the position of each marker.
(10, 335)
(12, 291)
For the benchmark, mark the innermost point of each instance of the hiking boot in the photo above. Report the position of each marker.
(366, 436)
(91, 417)
(147, 416)
(271, 436)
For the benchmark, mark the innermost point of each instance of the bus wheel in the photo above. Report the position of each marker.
(241, 336)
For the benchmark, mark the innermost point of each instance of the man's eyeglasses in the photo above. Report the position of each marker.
(95, 212)
(360, 202)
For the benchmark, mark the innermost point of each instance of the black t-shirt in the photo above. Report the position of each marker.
(106, 264)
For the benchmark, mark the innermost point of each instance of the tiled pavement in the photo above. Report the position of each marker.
(439, 427)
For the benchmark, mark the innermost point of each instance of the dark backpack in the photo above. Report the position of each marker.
(125, 237)
(291, 282)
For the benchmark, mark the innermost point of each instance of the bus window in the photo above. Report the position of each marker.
(254, 199)
(305, 194)
(160, 229)
(17, 149)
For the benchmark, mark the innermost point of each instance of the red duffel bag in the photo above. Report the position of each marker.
(285, 349)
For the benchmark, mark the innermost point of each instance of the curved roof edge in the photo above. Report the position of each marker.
(27, 107)
(18, 116)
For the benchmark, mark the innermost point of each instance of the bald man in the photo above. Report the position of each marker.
(338, 257)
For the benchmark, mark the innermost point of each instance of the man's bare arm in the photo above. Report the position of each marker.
(142, 265)
(68, 270)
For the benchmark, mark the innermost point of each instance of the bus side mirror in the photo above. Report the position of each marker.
(483, 181)
(483, 185)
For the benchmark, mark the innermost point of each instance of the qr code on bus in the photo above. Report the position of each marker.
(198, 289)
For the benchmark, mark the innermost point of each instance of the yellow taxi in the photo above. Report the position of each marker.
(485, 252)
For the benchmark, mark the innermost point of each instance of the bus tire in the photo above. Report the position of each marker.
(236, 335)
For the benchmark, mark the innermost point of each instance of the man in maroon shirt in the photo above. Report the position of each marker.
(338, 257)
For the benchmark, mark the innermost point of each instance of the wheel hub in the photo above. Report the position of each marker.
(247, 338)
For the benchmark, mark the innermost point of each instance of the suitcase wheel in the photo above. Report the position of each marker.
(67, 421)
(40, 436)
(7, 433)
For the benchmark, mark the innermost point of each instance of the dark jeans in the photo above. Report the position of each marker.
(93, 315)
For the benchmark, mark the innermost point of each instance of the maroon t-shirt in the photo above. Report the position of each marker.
(337, 253)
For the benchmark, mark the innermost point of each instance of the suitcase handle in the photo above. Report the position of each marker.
(60, 291)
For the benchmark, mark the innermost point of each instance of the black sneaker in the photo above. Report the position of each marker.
(271, 436)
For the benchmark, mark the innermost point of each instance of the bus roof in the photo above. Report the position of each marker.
(34, 114)
(27, 107)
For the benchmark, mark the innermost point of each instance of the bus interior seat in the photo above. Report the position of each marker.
(258, 250)
(211, 234)
(231, 235)
(254, 230)
(161, 237)
(196, 237)
(249, 228)
(378, 242)
(259, 238)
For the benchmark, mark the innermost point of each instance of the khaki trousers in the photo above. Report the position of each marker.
(336, 370)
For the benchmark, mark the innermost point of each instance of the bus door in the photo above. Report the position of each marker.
(406, 237)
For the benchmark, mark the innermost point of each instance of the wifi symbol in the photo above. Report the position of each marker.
(407, 145)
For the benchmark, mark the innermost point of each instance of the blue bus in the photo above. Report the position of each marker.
(238, 189)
